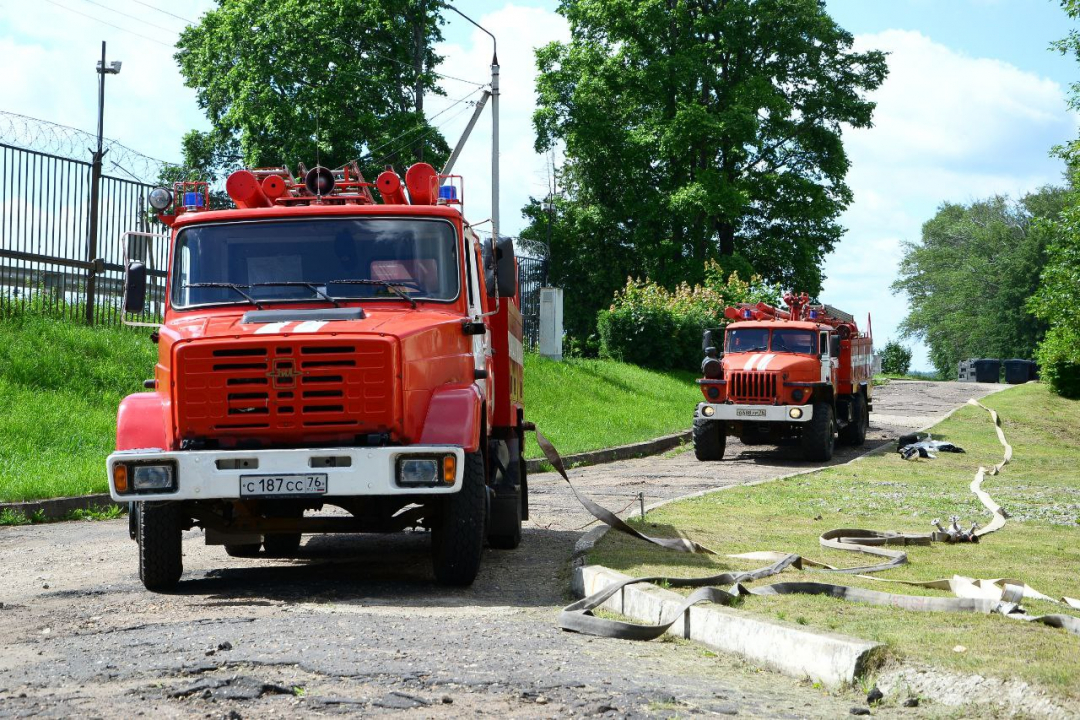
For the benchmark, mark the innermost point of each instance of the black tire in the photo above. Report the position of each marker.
(247, 550)
(819, 434)
(710, 440)
(505, 532)
(457, 531)
(159, 536)
(855, 432)
(281, 545)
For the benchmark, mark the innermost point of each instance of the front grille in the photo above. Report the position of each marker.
(286, 387)
(752, 387)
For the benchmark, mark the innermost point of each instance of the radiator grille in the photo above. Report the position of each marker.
(285, 387)
(752, 387)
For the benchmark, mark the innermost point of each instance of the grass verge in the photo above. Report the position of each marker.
(583, 405)
(60, 385)
(1040, 544)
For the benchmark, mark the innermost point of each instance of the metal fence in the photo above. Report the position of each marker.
(532, 275)
(44, 232)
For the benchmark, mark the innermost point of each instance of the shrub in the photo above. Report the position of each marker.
(652, 326)
(1059, 361)
(895, 359)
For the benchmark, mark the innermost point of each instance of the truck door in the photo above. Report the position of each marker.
(826, 359)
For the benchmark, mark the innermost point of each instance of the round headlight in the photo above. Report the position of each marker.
(708, 411)
(160, 198)
(795, 413)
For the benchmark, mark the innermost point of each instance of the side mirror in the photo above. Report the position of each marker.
(135, 287)
(712, 343)
(500, 267)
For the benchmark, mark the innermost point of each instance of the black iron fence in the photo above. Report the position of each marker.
(532, 275)
(44, 232)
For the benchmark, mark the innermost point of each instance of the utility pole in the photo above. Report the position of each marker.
(95, 186)
(494, 122)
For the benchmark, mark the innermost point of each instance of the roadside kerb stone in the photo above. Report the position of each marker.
(622, 452)
(57, 508)
(831, 659)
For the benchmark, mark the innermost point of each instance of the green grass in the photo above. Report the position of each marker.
(1040, 543)
(585, 405)
(60, 385)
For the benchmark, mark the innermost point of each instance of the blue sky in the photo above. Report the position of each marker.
(974, 101)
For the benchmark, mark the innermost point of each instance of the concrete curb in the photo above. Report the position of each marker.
(56, 508)
(622, 452)
(831, 659)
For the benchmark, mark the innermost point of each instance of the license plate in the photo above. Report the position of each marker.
(282, 485)
(741, 412)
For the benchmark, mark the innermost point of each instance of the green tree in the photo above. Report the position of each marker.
(697, 130)
(289, 81)
(969, 278)
(895, 358)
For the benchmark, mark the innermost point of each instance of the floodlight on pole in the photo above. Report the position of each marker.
(112, 68)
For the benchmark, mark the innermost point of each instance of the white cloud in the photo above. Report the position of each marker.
(948, 127)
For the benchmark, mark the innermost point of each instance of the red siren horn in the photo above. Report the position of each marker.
(273, 186)
(389, 185)
(244, 189)
(421, 179)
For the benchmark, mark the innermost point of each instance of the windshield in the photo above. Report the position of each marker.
(316, 260)
(783, 340)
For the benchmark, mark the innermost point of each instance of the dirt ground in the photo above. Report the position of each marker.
(356, 624)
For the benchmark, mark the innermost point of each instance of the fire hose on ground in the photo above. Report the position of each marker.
(1001, 595)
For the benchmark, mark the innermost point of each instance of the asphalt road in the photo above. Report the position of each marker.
(356, 624)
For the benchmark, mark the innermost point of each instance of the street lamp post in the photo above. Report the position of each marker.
(95, 186)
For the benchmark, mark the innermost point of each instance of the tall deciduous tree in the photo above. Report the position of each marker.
(969, 278)
(696, 130)
(288, 81)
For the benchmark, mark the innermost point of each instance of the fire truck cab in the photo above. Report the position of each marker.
(797, 376)
(319, 348)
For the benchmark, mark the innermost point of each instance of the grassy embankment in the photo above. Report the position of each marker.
(1040, 543)
(61, 382)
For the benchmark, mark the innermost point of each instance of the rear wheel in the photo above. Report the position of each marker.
(281, 545)
(457, 531)
(159, 536)
(855, 432)
(246, 550)
(819, 434)
(710, 440)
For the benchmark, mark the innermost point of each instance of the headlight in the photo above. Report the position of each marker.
(419, 472)
(795, 413)
(708, 411)
(160, 198)
(152, 477)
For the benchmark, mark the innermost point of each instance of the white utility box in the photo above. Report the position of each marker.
(551, 322)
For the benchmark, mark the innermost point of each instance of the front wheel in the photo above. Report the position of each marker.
(457, 530)
(819, 434)
(710, 440)
(158, 533)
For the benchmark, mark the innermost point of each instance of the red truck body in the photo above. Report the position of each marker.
(320, 348)
(801, 375)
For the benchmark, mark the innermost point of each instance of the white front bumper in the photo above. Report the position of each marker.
(754, 413)
(371, 471)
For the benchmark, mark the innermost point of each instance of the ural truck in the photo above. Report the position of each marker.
(784, 377)
(319, 348)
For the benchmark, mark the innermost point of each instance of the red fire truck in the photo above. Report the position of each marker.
(801, 375)
(319, 348)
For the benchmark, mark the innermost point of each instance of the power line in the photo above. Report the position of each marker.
(104, 22)
(131, 17)
(426, 133)
(165, 12)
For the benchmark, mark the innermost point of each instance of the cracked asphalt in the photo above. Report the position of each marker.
(356, 625)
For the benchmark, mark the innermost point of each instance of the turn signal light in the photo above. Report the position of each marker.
(449, 469)
(120, 478)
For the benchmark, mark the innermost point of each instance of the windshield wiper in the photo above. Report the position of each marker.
(298, 283)
(231, 286)
(756, 348)
(392, 287)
